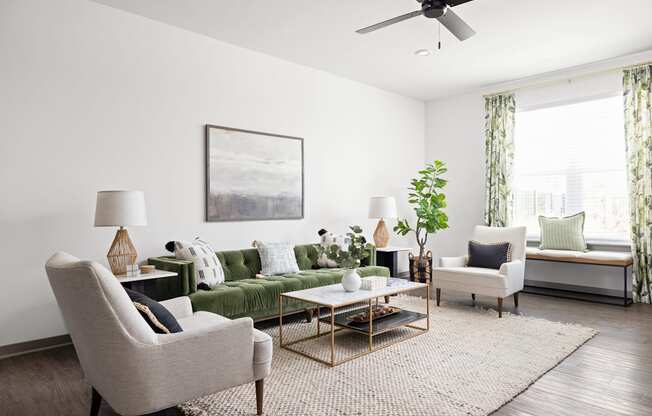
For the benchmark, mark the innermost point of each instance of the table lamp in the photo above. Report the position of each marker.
(382, 207)
(120, 209)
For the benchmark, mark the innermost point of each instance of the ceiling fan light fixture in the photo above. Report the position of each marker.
(422, 52)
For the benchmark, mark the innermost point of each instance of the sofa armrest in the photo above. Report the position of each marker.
(185, 270)
(192, 355)
(371, 260)
(453, 261)
(513, 270)
(179, 307)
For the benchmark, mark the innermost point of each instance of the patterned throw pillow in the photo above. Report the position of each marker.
(277, 258)
(208, 268)
(565, 233)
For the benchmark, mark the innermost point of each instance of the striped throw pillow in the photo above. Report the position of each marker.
(565, 233)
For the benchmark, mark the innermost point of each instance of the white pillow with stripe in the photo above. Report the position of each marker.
(208, 268)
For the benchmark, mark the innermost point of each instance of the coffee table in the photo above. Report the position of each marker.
(333, 297)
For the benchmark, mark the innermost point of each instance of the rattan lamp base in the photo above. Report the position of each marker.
(381, 235)
(122, 252)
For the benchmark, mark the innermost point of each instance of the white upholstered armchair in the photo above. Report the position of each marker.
(138, 371)
(453, 273)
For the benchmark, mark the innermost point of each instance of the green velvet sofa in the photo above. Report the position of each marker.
(242, 294)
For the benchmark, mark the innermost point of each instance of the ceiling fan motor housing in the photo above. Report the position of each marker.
(434, 8)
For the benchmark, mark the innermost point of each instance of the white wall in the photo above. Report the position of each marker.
(455, 134)
(94, 98)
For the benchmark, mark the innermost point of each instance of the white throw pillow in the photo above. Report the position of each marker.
(277, 258)
(208, 268)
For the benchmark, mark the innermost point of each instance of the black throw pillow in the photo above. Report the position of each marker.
(156, 315)
(489, 256)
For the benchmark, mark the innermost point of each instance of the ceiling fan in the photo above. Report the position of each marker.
(432, 9)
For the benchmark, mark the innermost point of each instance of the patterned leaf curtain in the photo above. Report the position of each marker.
(499, 152)
(637, 86)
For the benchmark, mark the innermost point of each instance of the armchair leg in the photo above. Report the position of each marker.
(438, 295)
(96, 400)
(473, 297)
(259, 397)
(500, 307)
(516, 300)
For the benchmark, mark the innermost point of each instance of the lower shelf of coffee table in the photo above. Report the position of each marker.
(379, 326)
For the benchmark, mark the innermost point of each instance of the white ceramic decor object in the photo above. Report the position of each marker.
(351, 280)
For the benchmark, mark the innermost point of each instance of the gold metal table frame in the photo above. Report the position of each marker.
(335, 328)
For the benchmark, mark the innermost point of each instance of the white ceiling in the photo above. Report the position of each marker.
(515, 38)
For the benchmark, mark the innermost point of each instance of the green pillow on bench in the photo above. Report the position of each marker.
(566, 233)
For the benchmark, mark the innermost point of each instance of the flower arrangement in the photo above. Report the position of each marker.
(350, 254)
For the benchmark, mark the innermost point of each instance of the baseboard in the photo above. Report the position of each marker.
(574, 288)
(35, 345)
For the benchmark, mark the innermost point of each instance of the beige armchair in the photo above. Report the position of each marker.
(138, 371)
(454, 274)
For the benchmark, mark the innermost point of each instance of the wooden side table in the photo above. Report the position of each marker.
(144, 282)
(388, 257)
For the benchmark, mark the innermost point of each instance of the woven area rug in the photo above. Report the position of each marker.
(469, 363)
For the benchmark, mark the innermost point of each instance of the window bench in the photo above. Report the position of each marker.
(592, 257)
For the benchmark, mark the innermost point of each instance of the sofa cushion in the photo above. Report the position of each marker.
(200, 320)
(307, 256)
(470, 277)
(239, 264)
(248, 296)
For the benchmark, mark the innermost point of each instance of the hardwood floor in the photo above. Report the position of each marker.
(611, 375)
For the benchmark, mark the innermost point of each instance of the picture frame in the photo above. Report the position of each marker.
(253, 175)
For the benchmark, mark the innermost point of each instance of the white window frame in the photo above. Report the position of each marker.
(535, 238)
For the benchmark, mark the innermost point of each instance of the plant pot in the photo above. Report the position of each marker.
(351, 280)
(421, 271)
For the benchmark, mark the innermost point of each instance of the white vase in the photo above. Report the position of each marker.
(351, 280)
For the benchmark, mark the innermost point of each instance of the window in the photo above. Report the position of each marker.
(571, 158)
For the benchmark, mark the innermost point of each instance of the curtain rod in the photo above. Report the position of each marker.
(562, 79)
(638, 65)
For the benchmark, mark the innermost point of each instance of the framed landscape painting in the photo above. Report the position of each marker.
(252, 175)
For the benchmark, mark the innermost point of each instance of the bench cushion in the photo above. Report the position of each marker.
(601, 258)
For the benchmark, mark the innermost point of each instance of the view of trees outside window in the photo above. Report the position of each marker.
(571, 158)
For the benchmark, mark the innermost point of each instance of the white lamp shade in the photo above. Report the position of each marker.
(382, 207)
(120, 208)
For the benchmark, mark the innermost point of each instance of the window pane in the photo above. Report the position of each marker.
(571, 158)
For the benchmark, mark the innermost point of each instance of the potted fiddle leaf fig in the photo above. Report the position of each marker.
(429, 202)
(349, 256)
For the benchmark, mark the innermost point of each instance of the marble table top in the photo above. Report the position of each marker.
(336, 296)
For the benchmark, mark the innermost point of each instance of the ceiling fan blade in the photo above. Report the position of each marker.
(454, 3)
(456, 25)
(389, 22)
